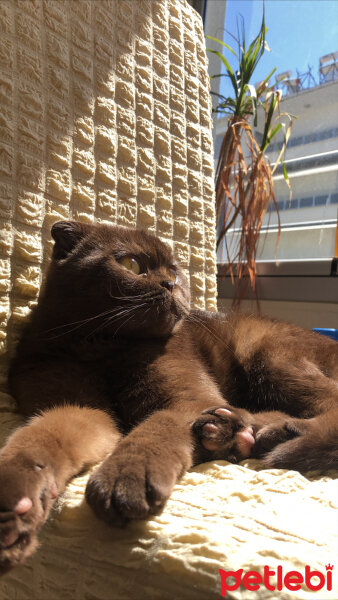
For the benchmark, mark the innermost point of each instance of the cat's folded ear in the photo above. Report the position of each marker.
(67, 235)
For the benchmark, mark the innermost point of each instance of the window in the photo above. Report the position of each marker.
(290, 204)
(312, 137)
(310, 92)
(320, 200)
(306, 202)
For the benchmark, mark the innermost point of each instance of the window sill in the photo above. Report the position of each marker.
(295, 280)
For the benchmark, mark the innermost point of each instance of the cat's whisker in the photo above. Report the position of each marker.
(113, 312)
(124, 322)
(147, 296)
(76, 322)
(149, 299)
(145, 314)
(125, 311)
(115, 317)
(198, 321)
(81, 323)
(135, 297)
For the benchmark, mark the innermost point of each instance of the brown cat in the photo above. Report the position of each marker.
(116, 368)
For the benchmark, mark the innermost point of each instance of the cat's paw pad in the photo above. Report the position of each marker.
(223, 434)
(27, 492)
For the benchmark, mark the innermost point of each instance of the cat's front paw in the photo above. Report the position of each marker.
(27, 492)
(222, 433)
(130, 484)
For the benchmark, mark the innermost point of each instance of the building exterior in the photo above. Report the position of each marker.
(300, 286)
(309, 219)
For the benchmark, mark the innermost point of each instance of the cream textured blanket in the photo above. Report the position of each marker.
(105, 115)
(220, 516)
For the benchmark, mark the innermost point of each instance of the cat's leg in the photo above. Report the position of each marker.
(309, 440)
(234, 434)
(279, 440)
(35, 466)
(136, 480)
(315, 446)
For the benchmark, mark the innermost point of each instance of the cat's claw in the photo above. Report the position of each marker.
(222, 433)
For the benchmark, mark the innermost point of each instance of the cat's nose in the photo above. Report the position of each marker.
(169, 285)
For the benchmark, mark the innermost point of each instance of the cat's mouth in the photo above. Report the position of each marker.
(177, 308)
(166, 303)
(167, 312)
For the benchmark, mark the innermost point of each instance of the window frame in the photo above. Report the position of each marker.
(306, 280)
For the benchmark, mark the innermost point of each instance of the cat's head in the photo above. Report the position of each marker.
(115, 280)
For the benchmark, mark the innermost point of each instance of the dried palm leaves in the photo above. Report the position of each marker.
(244, 176)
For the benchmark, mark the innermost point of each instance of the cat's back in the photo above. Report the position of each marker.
(242, 337)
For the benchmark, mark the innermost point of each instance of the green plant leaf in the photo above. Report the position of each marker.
(219, 75)
(271, 135)
(285, 173)
(270, 75)
(228, 68)
(265, 90)
(286, 139)
(274, 131)
(209, 37)
(218, 95)
(272, 107)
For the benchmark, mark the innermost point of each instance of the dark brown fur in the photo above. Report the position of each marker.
(115, 367)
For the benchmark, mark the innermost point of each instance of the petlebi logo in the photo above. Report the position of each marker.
(276, 579)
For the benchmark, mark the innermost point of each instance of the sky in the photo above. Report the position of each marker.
(299, 32)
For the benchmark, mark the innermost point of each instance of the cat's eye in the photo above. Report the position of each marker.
(130, 263)
(172, 275)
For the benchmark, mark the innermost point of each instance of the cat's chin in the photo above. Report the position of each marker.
(164, 326)
(165, 321)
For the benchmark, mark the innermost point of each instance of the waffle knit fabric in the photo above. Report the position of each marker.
(105, 116)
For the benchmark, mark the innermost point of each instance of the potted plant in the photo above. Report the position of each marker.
(244, 175)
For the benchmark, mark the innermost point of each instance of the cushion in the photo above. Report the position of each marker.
(105, 116)
(220, 516)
